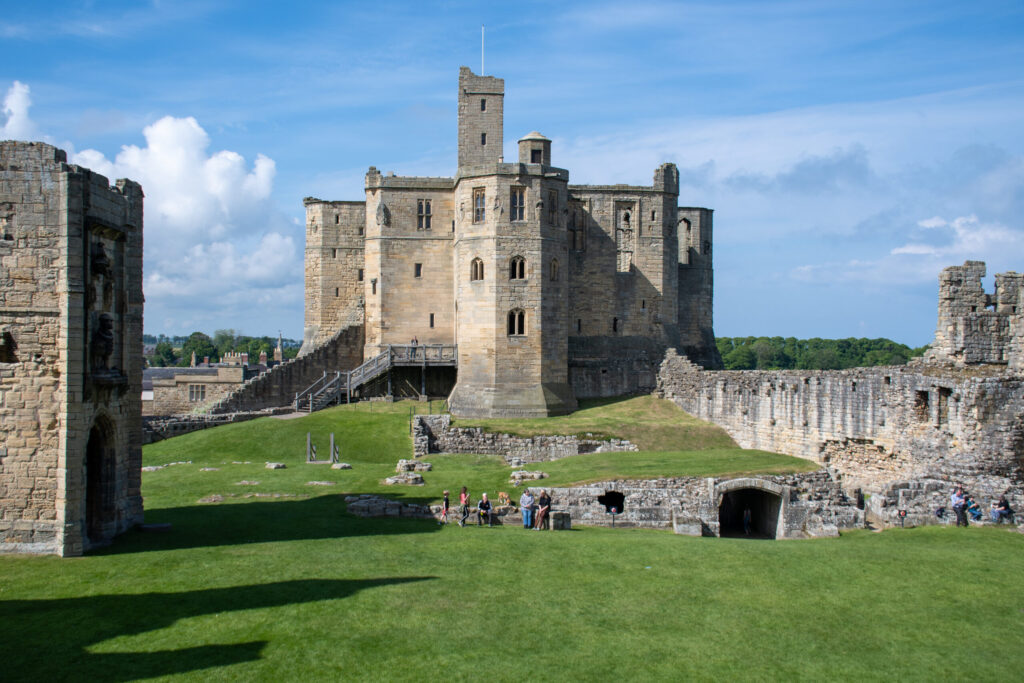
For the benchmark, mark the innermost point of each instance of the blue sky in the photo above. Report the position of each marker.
(850, 150)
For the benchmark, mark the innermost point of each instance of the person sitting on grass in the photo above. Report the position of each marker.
(1001, 510)
(543, 507)
(483, 510)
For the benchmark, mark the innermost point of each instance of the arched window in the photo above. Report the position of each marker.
(476, 269)
(517, 268)
(554, 269)
(516, 322)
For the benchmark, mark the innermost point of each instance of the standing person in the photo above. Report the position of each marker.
(526, 505)
(483, 510)
(543, 506)
(463, 506)
(444, 510)
(746, 521)
(959, 505)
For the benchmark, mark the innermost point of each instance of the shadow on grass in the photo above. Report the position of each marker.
(48, 639)
(218, 524)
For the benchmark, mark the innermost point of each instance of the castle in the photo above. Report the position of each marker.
(550, 291)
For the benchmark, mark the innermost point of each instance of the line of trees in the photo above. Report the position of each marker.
(177, 351)
(777, 353)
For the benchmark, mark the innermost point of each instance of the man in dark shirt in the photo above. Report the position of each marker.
(483, 510)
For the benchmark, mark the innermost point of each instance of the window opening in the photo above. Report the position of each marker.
(615, 324)
(478, 205)
(554, 269)
(483, 104)
(579, 325)
(431, 319)
(337, 219)
(337, 291)
(483, 138)
(423, 214)
(518, 204)
(516, 322)
(373, 286)
(476, 269)
(418, 268)
(643, 303)
(552, 206)
(360, 230)
(334, 253)
(517, 268)
(196, 392)
(921, 406)
(536, 156)
(360, 275)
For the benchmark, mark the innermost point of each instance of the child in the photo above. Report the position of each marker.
(463, 505)
(444, 510)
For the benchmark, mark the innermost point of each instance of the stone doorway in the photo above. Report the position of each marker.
(99, 485)
(764, 509)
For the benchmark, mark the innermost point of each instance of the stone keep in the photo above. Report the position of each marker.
(70, 353)
(550, 290)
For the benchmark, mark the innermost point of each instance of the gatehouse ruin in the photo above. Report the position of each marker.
(70, 353)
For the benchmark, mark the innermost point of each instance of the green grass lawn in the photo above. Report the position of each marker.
(293, 588)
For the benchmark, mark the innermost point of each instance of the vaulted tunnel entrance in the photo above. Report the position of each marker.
(764, 509)
(612, 501)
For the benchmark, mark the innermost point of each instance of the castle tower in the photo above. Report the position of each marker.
(509, 268)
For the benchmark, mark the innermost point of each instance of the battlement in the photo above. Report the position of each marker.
(975, 327)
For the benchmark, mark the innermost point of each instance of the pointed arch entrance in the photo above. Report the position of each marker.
(100, 519)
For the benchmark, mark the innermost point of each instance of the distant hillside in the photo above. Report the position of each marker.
(777, 353)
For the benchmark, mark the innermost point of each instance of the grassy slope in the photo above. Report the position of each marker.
(651, 423)
(263, 589)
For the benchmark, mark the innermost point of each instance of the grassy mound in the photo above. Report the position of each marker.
(651, 423)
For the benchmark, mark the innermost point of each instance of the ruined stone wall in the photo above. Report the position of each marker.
(278, 385)
(614, 366)
(175, 395)
(696, 338)
(434, 434)
(70, 353)
(875, 427)
(975, 327)
(159, 427)
(334, 264)
(812, 504)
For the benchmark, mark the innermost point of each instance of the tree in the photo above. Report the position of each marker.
(201, 345)
(164, 356)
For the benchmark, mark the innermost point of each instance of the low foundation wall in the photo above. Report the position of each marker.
(434, 434)
(158, 428)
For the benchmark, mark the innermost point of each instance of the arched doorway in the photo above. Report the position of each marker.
(99, 484)
(762, 506)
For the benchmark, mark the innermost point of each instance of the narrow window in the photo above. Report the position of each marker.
(535, 156)
(423, 214)
(334, 253)
(418, 268)
(360, 230)
(615, 324)
(518, 204)
(483, 104)
(483, 138)
(360, 275)
(476, 269)
(431, 319)
(373, 286)
(337, 219)
(579, 325)
(337, 291)
(552, 206)
(554, 270)
(652, 215)
(643, 303)
(517, 268)
(516, 322)
(479, 198)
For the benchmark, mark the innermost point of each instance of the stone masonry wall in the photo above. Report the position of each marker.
(70, 353)
(877, 428)
(434, 434)
(278, 385)
(172, 396)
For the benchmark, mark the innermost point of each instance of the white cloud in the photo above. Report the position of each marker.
(17, 124)
(215, 244)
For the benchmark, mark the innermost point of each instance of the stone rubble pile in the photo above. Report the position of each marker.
(406, 479)
(519, 476)
(413, 466)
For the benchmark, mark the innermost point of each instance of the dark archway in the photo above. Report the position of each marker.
(99, 485)
(764, 509)
(612, 499)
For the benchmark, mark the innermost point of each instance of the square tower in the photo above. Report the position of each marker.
(481, 116)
